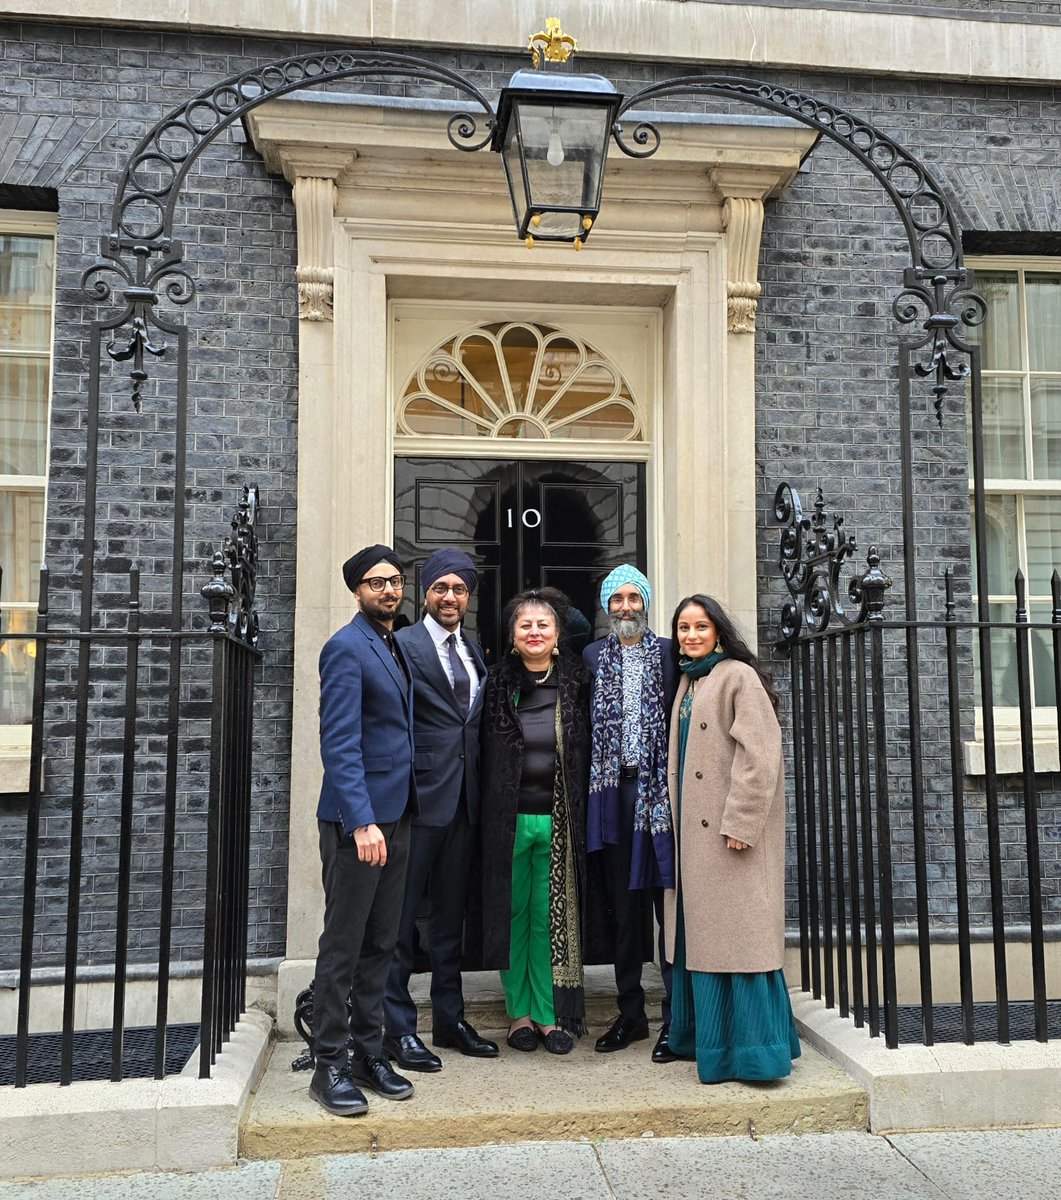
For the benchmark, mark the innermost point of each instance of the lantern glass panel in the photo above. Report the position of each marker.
(563, 149)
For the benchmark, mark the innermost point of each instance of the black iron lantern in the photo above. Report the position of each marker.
(552, 132)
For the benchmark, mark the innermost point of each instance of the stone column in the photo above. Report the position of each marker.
(742, 193)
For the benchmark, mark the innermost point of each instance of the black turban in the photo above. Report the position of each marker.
(355, 567)
(448, 561)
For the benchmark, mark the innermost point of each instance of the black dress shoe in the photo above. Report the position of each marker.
(410, 1053)
(463, 1037)
(621, 1034)
(661, 1051)
(335, 1091)
(379, 1077)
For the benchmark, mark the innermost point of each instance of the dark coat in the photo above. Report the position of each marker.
(502, 768)
(366, 725)
(446, 743)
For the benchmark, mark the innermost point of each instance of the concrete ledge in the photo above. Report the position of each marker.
(947, 1086)
(178, 1123)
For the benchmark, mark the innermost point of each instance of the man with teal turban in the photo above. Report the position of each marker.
(628, 817)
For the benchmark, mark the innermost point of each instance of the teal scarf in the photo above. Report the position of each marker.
(697, 668)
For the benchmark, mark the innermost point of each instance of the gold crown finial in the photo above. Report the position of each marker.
(557, 45)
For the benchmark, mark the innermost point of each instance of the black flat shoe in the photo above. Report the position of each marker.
(463, 1037)
(378, 1076)
(661, 1051)
(557, 1041)
(622, 1032)
(335, 1091)
(524, 1038)
(410, 1053)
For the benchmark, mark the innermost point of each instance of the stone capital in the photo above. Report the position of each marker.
(315, 199)
(742, 219)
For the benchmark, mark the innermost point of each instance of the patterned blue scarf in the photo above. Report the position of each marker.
(652, 856)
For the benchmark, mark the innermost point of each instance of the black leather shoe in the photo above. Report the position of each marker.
(379, 1077)
(463, 1037)
(410, 1053)
(621, 1034)
(661, 1051)
(335, 1091)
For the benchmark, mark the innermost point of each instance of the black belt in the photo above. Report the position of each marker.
(628, 772)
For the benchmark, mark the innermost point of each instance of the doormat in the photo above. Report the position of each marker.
(947, 1022)
(92, 1054)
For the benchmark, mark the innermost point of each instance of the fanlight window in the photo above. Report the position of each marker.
(518, 380)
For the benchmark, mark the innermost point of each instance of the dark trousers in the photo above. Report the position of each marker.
(440, 859)
(629, 910)
(362, 908)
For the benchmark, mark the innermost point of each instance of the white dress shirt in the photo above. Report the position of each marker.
(439, 634)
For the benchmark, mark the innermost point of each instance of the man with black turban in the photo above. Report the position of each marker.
(447, 669)
(368, 798)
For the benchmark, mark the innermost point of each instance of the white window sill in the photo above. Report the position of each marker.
(1008, 759)
(14, 758)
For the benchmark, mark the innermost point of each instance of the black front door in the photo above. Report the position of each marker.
(526, 524)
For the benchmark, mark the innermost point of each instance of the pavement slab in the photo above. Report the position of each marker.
(247, 1181)
(542, 1097)
(526, 1172)
(849, 1165)
(1024, 1163)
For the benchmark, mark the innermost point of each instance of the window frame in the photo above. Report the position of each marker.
(15, 739)
(1007, 717)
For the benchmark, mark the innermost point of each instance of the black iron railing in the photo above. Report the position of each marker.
(157, 705)
(906, 832)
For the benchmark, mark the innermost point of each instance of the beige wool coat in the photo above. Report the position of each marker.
(733, 785)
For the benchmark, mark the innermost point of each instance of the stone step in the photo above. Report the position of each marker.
(517, 1097)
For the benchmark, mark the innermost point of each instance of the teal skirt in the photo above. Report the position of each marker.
(735, 1026)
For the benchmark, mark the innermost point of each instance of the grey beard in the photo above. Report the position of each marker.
(632, 627)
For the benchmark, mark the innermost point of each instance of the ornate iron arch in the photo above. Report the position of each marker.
(937, 285)
(142, 262)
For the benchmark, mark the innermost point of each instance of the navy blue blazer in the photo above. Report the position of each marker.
(446, 743)
(366, 720)
(671, 674)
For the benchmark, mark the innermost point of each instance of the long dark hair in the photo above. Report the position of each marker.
(510, 666)
(729, 637)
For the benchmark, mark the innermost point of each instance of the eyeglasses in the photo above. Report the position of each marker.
(378, 582)
(441, 589)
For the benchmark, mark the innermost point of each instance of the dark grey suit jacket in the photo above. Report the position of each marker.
(446, 744)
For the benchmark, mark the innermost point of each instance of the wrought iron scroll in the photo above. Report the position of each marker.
(814, 551)
(937, 278)
(139, 259)
(230, 594)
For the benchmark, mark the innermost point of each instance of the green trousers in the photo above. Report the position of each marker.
(528, 982)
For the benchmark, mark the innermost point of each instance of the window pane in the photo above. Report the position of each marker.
(1046, 427)
(26, 268)
(1002, 558)
(1003, 659)
(23, 415)
(16, 667)
(1042, 657)
(999, 335)
(1042, 523)
(1004, 454)
(21, 542)
(1043, 300)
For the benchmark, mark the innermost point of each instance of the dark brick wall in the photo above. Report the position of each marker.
(831, 262)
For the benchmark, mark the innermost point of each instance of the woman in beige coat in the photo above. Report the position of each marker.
(725, 920)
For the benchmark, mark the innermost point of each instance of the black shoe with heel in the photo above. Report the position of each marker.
(623, 1031)
(335, 1092)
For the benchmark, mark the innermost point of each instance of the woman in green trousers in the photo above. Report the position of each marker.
(535, 770)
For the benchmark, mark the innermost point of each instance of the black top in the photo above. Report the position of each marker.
(537, 717)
